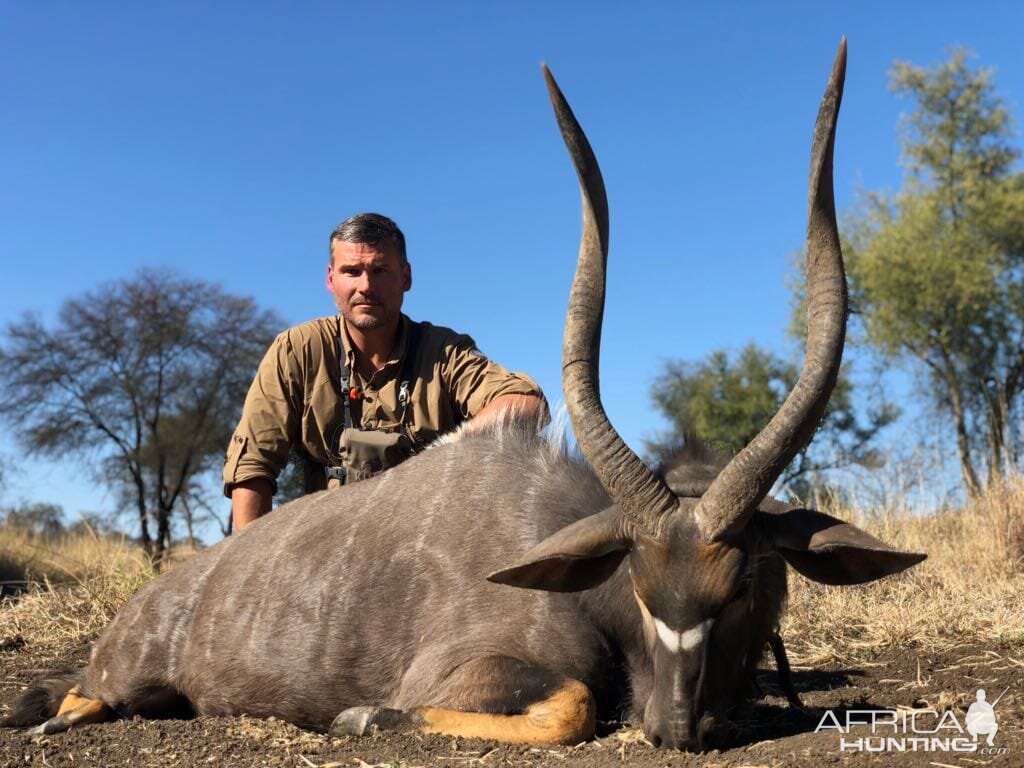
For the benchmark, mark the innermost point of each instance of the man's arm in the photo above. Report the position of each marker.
(484, 390)
(259, 447)
(508, 408)
(250, 499)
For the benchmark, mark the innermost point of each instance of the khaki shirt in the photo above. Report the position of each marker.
(295, 398)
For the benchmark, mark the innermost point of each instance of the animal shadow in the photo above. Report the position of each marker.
(762, 720)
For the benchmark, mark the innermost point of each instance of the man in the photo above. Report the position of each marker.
(981, 718)
(336, 387)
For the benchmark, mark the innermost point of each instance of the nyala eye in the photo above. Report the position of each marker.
(743, 588)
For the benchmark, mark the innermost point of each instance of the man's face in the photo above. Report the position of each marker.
(368, 283)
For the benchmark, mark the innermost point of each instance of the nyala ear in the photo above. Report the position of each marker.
(578, 557)
(830, 551)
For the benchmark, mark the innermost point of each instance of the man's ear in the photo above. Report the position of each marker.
(828, 550)
(578, 557)
(406, 276)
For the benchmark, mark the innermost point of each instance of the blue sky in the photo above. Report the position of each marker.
(227, 139)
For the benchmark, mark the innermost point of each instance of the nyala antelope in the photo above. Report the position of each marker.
(398, 603)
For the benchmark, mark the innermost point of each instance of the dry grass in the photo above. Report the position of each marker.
(970, 590)
(74, 585)
(25, 556)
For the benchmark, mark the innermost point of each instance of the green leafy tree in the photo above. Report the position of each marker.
(725, 402)
(144, 378)
(937, 269)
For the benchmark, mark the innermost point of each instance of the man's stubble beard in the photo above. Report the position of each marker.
(369, 322)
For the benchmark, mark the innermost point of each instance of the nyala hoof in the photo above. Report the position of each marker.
(362, 721)
(53, 725)
(75, 709)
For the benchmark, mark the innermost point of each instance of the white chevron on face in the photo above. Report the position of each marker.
(686, 640)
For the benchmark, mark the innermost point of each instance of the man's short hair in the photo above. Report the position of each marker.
(369, 229)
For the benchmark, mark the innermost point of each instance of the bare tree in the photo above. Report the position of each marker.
(144, 376)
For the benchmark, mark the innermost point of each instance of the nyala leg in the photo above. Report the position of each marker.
(782, 665)
(75, 709)
(495, 698)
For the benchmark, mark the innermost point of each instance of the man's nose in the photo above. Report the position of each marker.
(364, 283)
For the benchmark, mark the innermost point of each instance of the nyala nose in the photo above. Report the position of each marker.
(681, 737)
(685, 744)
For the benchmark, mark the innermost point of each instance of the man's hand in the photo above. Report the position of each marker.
(508, 408)
(250, 499)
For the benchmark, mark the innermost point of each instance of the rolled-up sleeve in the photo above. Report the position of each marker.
(475, 379)
(270, 419)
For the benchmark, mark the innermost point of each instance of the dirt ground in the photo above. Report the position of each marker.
(767, 733)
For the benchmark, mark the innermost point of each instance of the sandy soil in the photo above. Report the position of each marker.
(767, 733)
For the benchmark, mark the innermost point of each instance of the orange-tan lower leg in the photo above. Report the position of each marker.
(569, 716)
(76, 709)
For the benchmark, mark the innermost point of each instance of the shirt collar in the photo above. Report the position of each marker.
(396, 354)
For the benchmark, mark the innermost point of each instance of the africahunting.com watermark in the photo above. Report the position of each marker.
(918, 730)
